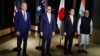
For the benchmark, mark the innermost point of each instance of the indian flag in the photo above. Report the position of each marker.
(61, 15)
(82, 9)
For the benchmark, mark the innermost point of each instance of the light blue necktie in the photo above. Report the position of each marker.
(25, 18)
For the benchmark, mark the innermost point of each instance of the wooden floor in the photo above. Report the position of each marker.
(33, 41)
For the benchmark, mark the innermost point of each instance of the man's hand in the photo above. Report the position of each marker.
(65, 33)
(18, 33)
(79, 35)
(53, 33)
(76, 33)
(41, 33)
(29, 33)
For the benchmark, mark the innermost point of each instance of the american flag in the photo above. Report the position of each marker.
(40, 7)
(17, 7)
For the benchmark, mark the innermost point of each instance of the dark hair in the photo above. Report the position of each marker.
(48, 6)
(71, 9)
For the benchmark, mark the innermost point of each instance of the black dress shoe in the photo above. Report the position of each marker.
(18, 54)
(65, 52)
(77, 45)
(25, 55)
(49, 54)
(84, 51)
(43, 54)
(70, 53)
(79, 51)
(16, 49)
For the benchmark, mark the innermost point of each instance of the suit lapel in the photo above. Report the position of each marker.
(74, 22)
(51, 18)
(22, 15)
(27, 16)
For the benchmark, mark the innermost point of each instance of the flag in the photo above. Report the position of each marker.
(82, 9)
(17, 7)
(40, 7)
(61, 15)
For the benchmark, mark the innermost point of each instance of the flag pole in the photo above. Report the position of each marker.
(23, 0)
(37, 23)
(60, 21)
(46, 4)
(62, 35)
(74, 4)
(81, 13)
(16, 48)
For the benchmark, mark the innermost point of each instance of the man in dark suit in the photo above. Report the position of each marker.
(47, 29)
(69, 31)
(22, 24)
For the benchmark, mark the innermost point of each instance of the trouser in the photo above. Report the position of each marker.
(83, 41)
(20, 38)
(46, 41)
(68, 42)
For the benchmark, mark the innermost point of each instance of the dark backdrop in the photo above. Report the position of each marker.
(32, 10)
(6, 13)
(7, 6)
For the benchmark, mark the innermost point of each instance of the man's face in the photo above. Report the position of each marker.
(24, 6)
(72, 12)
(86, 13)
(49, 9)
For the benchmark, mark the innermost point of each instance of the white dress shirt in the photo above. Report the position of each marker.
(24, 15)
(72, 19)
(49, 17)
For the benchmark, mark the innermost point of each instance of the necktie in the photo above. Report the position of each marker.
(25, 16)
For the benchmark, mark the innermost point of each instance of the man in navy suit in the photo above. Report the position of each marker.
(22, 24)
(47, 30)
(69, 31)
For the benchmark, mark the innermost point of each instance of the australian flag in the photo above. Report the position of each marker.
(40, 7)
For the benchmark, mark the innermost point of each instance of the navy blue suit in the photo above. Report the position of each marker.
(23, 27)
(70, 29)
(47, 29)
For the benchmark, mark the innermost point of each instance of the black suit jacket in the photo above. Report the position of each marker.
(68, 26)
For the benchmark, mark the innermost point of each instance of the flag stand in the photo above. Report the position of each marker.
(60, 46)
(39, 47)
(16, 49)
(36, 35)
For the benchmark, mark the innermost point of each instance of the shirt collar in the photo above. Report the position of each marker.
(71, 16)
(23, 11)
(48, 13)
(86, 16)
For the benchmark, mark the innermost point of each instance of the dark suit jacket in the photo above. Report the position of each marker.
(20, 24)
(68, 26)
(45, 26)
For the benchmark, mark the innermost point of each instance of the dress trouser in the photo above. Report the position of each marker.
(83, 41)
(68, 42)
(46, 41)
(23, 36)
